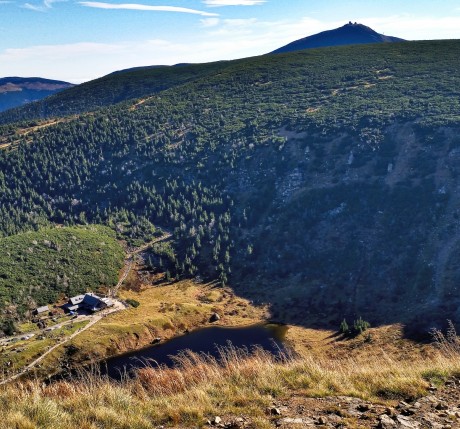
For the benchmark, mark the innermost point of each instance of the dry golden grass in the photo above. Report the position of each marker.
(201, 387)
(15, 356)
(165, 311)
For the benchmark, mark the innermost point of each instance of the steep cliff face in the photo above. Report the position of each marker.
(344, 229)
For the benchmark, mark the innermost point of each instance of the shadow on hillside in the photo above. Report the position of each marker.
(417, 320)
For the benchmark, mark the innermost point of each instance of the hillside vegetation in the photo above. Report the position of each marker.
(247, 391)
(37, 267)
(111, 89)
(324, 182)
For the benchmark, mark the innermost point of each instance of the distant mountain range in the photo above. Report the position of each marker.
(16, 91)
(349, 34)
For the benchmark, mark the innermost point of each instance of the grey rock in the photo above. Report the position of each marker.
(322, 420)
(432, 425)
(431, 399)
(290, 421)
(363, 407)
(407, 423)
(441, 406)
(386, 422)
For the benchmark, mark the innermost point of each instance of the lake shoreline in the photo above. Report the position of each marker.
(211, 340)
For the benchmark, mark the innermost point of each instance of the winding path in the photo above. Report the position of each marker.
(130, 261)
(93, 320)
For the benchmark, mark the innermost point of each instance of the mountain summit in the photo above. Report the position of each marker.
(349, 34)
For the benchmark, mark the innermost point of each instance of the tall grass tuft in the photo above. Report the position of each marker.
(237, 382)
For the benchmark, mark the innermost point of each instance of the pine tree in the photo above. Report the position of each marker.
(344, 328)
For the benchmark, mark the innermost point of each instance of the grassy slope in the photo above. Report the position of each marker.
(165, 311)
(39, 266)
(17, 355)
(242, 386)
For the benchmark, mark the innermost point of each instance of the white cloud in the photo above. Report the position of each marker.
(132, 6)
(248, 22)
(56, 52)
(415, 28)
(37, 8)
(46, 5)
(218, 3)
(223, 40)
(210, 22)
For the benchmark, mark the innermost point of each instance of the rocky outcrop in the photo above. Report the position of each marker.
(438, 410)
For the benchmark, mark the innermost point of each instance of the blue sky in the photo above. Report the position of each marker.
(79, 40)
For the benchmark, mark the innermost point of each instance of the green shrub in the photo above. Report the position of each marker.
(359, 326)
(8, 327)
(46, 264)
(344, 328)
(133, 302)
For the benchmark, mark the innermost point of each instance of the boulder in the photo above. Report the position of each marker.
(406, 422)
(295, 421)
(214, 317)
(322, 420)
(386, 422)
(441, 406)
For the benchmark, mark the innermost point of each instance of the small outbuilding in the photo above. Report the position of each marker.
(41, 310)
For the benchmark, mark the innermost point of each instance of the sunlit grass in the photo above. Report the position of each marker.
(201, 386)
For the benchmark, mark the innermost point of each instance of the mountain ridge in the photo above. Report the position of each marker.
(153, 79)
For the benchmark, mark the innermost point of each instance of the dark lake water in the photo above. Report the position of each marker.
(206, 340)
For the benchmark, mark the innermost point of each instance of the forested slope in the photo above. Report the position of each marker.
(323, 182)
(37, 267)
(111, 89)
